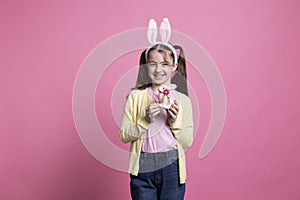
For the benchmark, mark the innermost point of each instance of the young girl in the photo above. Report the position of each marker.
(158, 133)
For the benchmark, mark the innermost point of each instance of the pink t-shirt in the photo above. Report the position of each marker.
(159, 137)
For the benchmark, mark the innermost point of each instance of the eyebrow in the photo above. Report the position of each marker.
(160, 62)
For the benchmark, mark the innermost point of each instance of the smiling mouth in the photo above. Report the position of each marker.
(160, 76)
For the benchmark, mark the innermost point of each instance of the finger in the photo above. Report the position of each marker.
(147, 108)
(175, 102)
(155, 109)
(172, 116)
(155, 113)
(174, 108)
(153, 105)
(173, 111)
(175, 105)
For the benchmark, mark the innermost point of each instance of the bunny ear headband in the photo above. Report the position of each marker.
(165, 34)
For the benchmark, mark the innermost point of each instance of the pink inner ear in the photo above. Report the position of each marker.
(177, 52)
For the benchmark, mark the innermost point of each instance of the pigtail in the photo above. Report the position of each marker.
(180, 76)
(143, 80)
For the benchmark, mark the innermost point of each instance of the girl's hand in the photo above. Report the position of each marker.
(151, 111)
(172, 112)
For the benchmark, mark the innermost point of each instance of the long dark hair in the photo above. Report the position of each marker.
(144, 81)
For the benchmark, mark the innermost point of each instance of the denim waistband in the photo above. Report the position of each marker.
(158, 160)
(166, 154)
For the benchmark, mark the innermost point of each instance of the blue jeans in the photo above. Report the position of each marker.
(158, 177)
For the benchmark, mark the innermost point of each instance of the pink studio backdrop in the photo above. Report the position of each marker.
(255, 45)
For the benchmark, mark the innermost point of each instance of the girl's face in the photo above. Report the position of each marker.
(160, 67)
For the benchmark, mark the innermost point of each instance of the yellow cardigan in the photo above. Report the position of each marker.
(134, 125)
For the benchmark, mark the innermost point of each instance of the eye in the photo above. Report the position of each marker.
(152, 64)
(166, 64)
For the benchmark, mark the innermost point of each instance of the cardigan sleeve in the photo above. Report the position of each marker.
(132, 126)
(183, 126)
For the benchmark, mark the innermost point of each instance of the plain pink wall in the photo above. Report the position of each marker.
(255, 45)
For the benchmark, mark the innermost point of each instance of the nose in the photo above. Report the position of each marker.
(158, 67)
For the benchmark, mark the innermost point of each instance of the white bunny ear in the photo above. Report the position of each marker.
(165, 30)
(152, 31)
